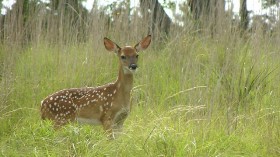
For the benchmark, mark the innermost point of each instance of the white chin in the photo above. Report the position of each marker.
(128, 71)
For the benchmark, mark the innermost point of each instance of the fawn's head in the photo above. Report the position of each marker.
(128, 55)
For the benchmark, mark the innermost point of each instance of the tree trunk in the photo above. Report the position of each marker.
(159, 21)
(2, 21)
(207, 14)
(68, 16)
(244, 15)
(199, 8)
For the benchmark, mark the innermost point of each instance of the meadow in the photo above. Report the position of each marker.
(194, 95)
(204, 98)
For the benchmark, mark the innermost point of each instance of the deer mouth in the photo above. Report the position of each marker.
(129, 70)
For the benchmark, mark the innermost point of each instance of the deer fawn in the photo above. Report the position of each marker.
(108, 105)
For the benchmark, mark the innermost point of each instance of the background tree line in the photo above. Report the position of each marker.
(31, 20)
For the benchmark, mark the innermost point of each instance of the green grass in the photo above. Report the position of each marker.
(202, 98)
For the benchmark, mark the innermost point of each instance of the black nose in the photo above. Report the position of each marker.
(133, 66)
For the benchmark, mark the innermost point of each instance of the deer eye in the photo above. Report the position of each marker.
(123, 57)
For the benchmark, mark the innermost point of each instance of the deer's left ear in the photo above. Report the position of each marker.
(142, 45)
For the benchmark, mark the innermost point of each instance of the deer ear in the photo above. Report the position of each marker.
(110, 45)
(142, 45)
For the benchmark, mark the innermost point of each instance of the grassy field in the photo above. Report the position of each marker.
(195, 96)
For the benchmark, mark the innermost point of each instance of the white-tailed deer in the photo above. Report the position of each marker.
(107, 105)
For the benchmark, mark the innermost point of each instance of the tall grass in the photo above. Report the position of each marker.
(198, 95)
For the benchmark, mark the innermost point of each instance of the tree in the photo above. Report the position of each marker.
(243, 12)
(207, 13)
(266, 23)
(72, 15)
(57, 20)
(269, 3)
(273, 7)
(199, 8)
(159, 21)
(2, 21)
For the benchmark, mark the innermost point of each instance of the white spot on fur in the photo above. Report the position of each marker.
(101, 109)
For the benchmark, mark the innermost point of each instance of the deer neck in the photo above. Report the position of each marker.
(124, 81)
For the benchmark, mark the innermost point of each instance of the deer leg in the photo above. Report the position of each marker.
(107, 126)
(118, 122)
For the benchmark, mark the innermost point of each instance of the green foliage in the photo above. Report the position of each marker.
(269, 3)
(195, 97)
